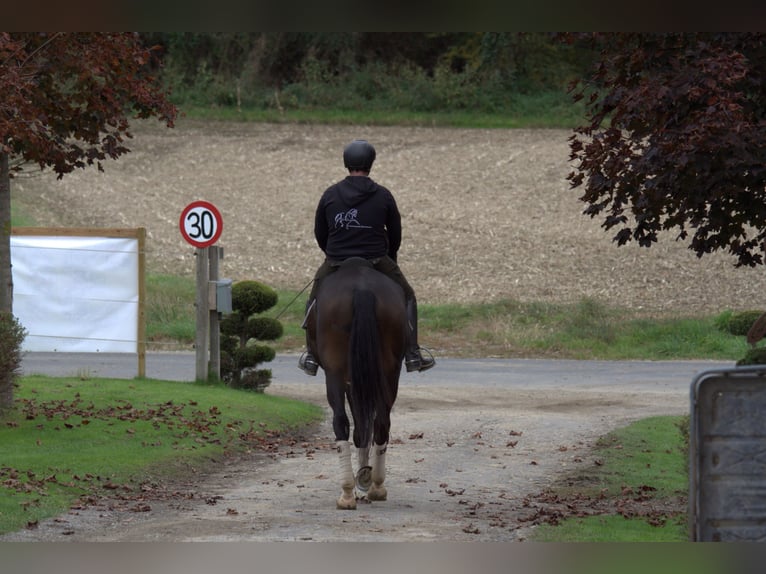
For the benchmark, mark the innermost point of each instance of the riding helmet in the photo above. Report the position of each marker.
(359, 155)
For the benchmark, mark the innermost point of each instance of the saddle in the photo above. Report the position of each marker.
(356, 262)
(349, 262)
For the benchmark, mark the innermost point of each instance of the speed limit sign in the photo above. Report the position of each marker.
(201, 224)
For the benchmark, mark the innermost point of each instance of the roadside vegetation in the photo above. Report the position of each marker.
(635, 492)
(585, 329)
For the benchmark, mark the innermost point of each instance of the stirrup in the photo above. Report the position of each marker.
(417, 362)
(308, 364)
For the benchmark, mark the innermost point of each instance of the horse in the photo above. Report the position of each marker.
(357, 329)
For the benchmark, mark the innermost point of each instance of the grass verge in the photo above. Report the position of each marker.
(586, 329)
(69, 439)
(540, 110)
(636, 490)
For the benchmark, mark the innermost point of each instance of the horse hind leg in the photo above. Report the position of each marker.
(378, 454)
(347, 499)
(364, 474)
(378, 474)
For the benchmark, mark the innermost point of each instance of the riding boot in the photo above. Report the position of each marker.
(307, 363)
(413, 356)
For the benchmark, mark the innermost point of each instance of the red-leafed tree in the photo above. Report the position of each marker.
(676, 139)
(65, 103)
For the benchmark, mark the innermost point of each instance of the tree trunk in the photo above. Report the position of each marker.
(6, 279)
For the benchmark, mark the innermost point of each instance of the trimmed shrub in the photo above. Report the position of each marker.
(241, 332)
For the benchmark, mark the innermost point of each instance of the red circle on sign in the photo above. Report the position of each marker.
(201, 224)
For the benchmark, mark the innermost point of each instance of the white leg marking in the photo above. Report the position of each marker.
(377, 490)
(347, 499)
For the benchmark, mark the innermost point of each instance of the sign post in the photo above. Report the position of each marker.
(201, 225)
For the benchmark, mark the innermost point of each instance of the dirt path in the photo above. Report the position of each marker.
(462, 466)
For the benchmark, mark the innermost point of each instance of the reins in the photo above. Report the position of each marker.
(286, 307)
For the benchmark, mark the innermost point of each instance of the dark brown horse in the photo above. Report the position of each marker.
(357, 332)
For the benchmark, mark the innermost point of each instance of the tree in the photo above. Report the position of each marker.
(240, 330)
(675, 139)
(65, 104)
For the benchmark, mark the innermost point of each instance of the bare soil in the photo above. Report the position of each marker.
(487, 215)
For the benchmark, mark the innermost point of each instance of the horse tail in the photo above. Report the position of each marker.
(367, 394)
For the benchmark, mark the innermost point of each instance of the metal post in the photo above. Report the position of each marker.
(203, 314)
(216, 253)
(141, 335)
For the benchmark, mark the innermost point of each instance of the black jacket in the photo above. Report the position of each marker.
(356, 217)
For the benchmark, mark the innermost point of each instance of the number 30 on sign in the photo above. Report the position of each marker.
(201, 224)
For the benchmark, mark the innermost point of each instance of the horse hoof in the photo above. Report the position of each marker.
(377, 493)
(364, 478)
(346, 503)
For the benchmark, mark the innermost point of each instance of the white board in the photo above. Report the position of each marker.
(76, 294)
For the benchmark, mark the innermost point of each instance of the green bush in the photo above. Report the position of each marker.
(251, 297)
(12, 335)
(737, 323)
(756, 356)
(240, 331)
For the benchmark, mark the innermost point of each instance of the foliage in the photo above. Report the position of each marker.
(738, 323)
(240, 331)
(64, 105)
(66, 96)
(756, 356)
(12, 335)
(417, 71)
(674, 139)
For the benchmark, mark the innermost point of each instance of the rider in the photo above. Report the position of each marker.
(357, 217)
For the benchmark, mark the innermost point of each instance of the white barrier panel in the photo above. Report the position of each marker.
(77, 294)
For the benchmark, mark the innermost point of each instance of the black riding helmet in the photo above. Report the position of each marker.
(359, 155)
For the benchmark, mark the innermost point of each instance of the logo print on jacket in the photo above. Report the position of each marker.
(348, 220)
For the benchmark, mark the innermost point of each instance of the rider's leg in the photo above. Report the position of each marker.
(414, 360)
(307, 362)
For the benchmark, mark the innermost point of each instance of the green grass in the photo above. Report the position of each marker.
(70, 438)
(586, 329)
(170, 312)
(647, 458)
(19, 218)
(610, 528)
(546, 110)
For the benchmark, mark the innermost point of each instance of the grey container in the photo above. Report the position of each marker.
(727, 452)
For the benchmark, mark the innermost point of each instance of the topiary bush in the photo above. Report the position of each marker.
(241, 332)
(12, 335)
